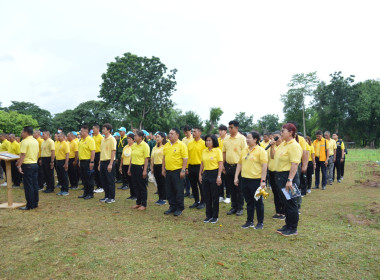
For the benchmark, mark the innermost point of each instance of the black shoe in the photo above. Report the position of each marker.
(130, 197)
(168, 212)
(25, 208)
(119, 181)
(277, 217)
(259, 226)
(201, 206)
(239, 212)
(48, 191)
(125, 188)
(315, 188)
(156, 193)
(323, 188)
(248, 225)
(81, 189)
(214, 220)
(88, 197)
(191, 196)
(280, 230)
(186, 195)
(289, 232)
(195, 205)
(178, 213)
(232, 211)
(119, 188)
(133, 198)
(103, 199)
(207, 220)
(82, 196)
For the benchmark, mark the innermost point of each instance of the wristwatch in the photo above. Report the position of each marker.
(219, 177)
(183, 170)
(290, 180)
(91, 162)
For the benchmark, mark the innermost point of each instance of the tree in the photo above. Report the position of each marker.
(245, 122)
(268, 123)
(139, 87)
(13, 122)
(215, 114)
(300, 86)
(43, 116)
(190, 118)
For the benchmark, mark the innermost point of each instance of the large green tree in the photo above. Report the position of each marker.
(139, 87)
(13, 122)
(212, 122)
(245, 122)
(268, 123)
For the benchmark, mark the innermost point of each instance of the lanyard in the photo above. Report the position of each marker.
(121, 141)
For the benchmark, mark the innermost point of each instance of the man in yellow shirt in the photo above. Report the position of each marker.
(37, 135)
(339, 157)
(73, 161)
(322, 155)
(195, 148)
(187, 139)
(265, 141)
(27, 165)
(98, 141)
(86, 152)
(174, 165)
(14, 149)
(47, 161)
(62, 163)
(332, 158)
(222, 136)
(4, 148)
(232, 147)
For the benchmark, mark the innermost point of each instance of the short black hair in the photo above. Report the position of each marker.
(84, 126)
(266, 133)
(255, 135)
(186, 128)
(131, 135)
(106, 125)
(162, 134)
(197, 127)
(176, 130)
(222, 127)
(140, 133)
(234, 123)
(215, 142)
(98, 127)
(28, 129)
(337, 134)
(319, 132)
(277, 132)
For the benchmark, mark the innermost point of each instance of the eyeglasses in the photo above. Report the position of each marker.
(231, 127)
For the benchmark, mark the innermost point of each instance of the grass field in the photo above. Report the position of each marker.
(70, 238)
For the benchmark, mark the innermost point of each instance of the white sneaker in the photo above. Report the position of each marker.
(221, 199)
(98, 190)
(4, 184)
(227, 200)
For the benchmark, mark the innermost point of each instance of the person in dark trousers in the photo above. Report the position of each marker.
(98, 141)
(210, 176)
(62, 163)
(138, 170)
(157, 156)
(37, 135)
(322, 155)
(125, 161)
(174, 165)
(311, 164)
(340, 154)
(86, 162)
(121, 143)
(187, 131)
(107, 164)
(222, 135)
(47, 161)
(73, 161)
(27, 166)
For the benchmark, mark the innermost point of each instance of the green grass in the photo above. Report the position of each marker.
(69, 238)
(355, 155)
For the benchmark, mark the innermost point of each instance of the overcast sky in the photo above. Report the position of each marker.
(237, 55)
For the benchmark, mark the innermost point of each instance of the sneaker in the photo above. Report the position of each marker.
(169, 212)
(134, 198)
(48, 191)
(339, 181)
(58, 186)
(158, 202)
(239, 212)
(186, 195)
(232, 211)
(163, 202)
(221, 199)
(207, 220)
(15, 186)
(282, 217)
(284, 228)
(214, 220)
(289, 232)
(201, 206)
(341, 178)
(178, 213)
(74, 188)
(316, 188)
(194, 205)
(64, 193)
(227, 200)
(308, 191)
(103, 199)
(248, 225)
(191, 196)
(110, 200)
(119, 188)
(125, 188)
(276, 216)
(323, 188)
(4, 184)
(99, 190)
(130, 197)
(259, 226)
(60, 193)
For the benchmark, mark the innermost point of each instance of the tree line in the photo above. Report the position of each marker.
(136, 93)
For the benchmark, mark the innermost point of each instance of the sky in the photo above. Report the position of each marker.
(236, 55)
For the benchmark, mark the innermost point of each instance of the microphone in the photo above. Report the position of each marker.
(275, 139)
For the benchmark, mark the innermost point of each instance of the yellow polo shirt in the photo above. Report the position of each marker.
(194, 149)
(29, 146)
(221, 141)
(73, 148)
(46, 147)
(174, 155)
(107, 146)
(286, 154)
(86, 145)
(98, 142)
(251, 162)
(317, 147)
(127, 150)
(302, 143)
(271, 160)
(157, 154)
(211, 158)
(40, 141)
(187, 140)
(264, 145)
(5, 146)
(233, 146)
(139, 153)
(63, 148)
(14, 148)
(332, 146)
(312, 151)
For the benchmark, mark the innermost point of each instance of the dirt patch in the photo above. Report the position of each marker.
(370, 217)
(373, 184)
(358, 220)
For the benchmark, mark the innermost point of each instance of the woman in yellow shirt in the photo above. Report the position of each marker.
(124, 166)
(287, 157)
(156, 161)
(210, 173)
(253, 166)
(311, 164)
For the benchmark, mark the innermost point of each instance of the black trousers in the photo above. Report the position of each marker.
(87, 177)
(62, 175)
(222, 186)
(107, 179)
(174, 190)
(320, 165)
(124, 176)
(98, 182)
(128, 179)
(73, 173)
(309, 174)
(48, 173)
(291, 205)
(117, 172)
(160, 180)
(249, 187)
(31, 184)
(237, 199)
(278, 204)
(3, 166)
(342, 167)
(41, 178)
(140, 183)
(193, 174)
(16, 175)
(211, 193)
(338, 168)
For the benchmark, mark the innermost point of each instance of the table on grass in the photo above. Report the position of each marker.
(8, 158)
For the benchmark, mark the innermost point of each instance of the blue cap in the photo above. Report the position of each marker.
(116, 134)
(74, 132)
(41, 133)
(145, 132)
(129, 132)
(122, 129)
